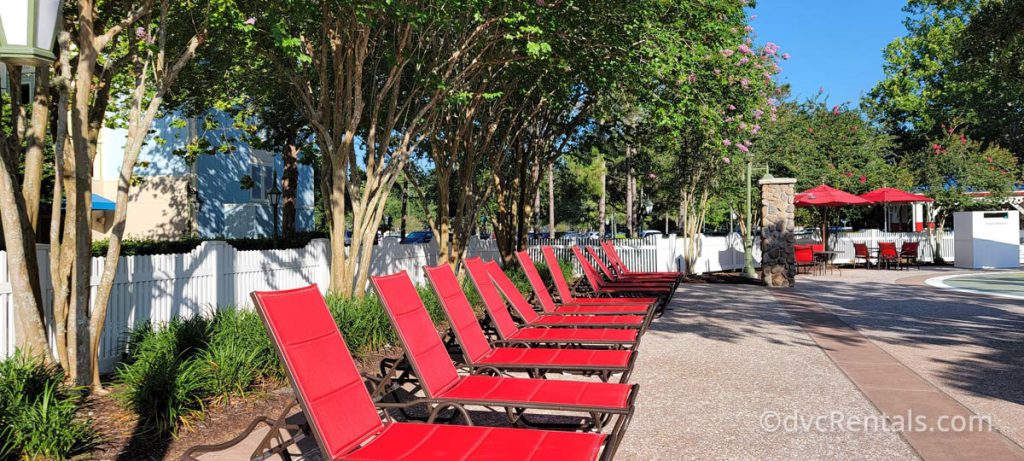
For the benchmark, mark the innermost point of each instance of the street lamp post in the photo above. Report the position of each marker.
(28, 30)
(274, 195)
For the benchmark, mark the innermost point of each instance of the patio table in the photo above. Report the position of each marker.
(823, 260)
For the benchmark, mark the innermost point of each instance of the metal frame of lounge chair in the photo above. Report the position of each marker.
(346, 424)
(443, 387)
(548, 305)
(507, 330)
(566, 294)
(525, 312)
(477, 353)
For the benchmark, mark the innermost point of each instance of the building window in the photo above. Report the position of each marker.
(262, 180)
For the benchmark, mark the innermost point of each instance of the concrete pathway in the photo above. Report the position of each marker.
(725, 367)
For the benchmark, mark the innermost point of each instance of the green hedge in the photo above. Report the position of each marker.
(39, 414)
(140, 247)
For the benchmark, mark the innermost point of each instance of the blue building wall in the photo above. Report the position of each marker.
(218, 177)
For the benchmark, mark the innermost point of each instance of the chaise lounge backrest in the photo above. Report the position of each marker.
(613, 257)
(493, 301)
(533, 276)
(417, 332)
(460, 313)
(511, 292)
(561, 285)
(324, 377)
(600, 263)
(588, 270)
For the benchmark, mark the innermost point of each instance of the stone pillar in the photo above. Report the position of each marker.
(778, 260)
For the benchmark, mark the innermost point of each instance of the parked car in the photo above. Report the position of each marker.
(650, 233)
(592, 235)
(421, 236)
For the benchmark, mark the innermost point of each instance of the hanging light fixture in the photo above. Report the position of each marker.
(28, 30)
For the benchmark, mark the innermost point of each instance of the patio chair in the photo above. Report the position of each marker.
(908, 254)
(612, 278)
(804, 256)
(620, 266)
(443, 387)
(603, 288)
(479, 354)
(888, 254)
(507, 330)
(524, 310)
(861, 252)
(343, 419)
(547, 303)
(565, 293)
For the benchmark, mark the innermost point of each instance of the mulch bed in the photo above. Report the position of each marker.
(117, 427)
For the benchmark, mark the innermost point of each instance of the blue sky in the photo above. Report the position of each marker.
(834, 44)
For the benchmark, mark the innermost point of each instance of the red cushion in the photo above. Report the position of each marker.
(422, 344)
(492, 299)
(541, 291)
(322, 371)
(491, 389)
(600, 263)
(459, 312)
(542, 357)
(511, 292)
(560, 283)
(576, 335)
(600, 309)
(589, 320)
(410, 441)
(615, 301)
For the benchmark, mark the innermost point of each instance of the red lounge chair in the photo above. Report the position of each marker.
(565, 293)
(525, 311)
(444, 388)
(860, 252)
(479, 355)
(549, 306)
(602, 288)
(908, 254)
(613, 278)
(620, 266)
(508, 331)
(342, 417)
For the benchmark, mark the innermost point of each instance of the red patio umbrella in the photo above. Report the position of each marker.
(887, 195)
(826, 197)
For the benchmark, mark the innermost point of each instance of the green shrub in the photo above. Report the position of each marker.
(239, 354)
(38, 413)
(162, 384)
(296, 240)
(139, 247)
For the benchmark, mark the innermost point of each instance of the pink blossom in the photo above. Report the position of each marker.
(726, 142)
(774, 117)
(727, 160)
(771, 48)
(785, 55)
(732, 107)
(755, 129)
(743, 125)
(835, 110)
(743, 48)
(767, 75)
(727, 52)
(748, 28)
(753, 17)
(810, 130)
(692, 78)
(250, 21)
(848, 174)
(773, 101)
(744, 82)
(742, 148)
(742, 61)
(863, 179)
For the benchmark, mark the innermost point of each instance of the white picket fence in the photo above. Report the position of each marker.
(214, 275)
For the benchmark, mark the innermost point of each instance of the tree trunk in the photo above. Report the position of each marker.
(405, 212)
(601, 203)
(630, 190)
(32, 184)
(551, 200)
(289, 188)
